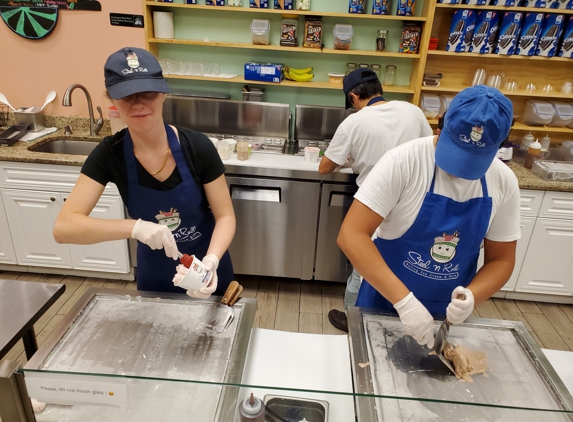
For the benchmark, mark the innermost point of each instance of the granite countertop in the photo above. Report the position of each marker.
(20, 152)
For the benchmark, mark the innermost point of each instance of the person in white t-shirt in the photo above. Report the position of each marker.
(362, 139)
(432, 202)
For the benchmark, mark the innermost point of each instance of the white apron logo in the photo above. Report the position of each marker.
(444, 248)
(172, 220)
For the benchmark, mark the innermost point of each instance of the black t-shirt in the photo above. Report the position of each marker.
(107, 164)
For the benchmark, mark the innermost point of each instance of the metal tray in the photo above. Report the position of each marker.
(13, 134)
(153, 342)
(418, 387)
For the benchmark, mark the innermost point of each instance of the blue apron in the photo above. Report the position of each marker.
(437, 254)
(183, 210)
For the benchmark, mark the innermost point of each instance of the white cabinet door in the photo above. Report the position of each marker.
(530, 202)
(548, 264)
(107, 256)
(7, 253)
(32, 215)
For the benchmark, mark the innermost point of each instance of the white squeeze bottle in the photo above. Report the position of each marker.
(526, 141)
(252, 409)
(532, 153)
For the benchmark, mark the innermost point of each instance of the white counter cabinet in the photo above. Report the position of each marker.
(31, 198)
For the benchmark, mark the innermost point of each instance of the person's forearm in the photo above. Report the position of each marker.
(489, 279)
(366, 259)
(80, 229)
(222, 235)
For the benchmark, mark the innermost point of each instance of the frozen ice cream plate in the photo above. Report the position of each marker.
(297, 409)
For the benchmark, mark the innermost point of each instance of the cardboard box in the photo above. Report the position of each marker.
(405, 7)
(286, 4)
(380, 7)
(485, 32)
(461, 30)
(508, 33)
(506, 3)
(263, 72)
(529, 35)
(259, 4)
(215, 2)
(566, 49)
(551, 32)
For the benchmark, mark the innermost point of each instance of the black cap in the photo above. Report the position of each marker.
(132, 70)
(355, 78)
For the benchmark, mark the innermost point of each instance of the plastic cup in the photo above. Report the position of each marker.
(311, 154)
(479, 77)
(197, 276)
(224, 150)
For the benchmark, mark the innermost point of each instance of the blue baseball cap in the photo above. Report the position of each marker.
(355, 78)
(477, 122)
(132, 70)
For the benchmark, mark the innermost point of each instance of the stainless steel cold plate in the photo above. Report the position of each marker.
(418, 387)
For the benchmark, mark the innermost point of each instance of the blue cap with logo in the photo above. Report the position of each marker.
(132, 70)
(477, 122)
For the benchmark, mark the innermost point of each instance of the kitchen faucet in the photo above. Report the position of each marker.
(67, 102)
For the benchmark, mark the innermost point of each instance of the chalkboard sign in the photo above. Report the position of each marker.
(36, 19)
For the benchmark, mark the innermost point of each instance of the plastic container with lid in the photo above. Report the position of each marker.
(566, 151)
(533, 152)
(538, 113)
(445, 101)
(261, 31)
(342, 36)
(430, 105)
(563, 114)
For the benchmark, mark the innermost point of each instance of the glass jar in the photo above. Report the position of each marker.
(376, 68)
(390, 75)
(350, 67)
(363, 66)
(381, 40)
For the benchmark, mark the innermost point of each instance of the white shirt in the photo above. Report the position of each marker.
(397, 185)
(369, 133)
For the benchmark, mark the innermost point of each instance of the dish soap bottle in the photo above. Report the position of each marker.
(532, 153)
(252, 409)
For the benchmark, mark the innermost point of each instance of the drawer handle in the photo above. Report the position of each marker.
(52, 199)
(255, 193)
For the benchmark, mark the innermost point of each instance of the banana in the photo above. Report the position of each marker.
(287, 74)
(302, 78)
(300, 71)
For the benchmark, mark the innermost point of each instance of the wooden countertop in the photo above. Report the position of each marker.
(20, 152)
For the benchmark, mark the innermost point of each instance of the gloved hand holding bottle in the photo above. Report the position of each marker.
(211, 263)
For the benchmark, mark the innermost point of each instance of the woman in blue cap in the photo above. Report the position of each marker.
(432, 202)
(171, 179)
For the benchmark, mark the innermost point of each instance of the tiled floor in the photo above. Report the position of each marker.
(302, 306)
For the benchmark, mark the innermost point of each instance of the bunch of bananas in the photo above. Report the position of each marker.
(298, 75)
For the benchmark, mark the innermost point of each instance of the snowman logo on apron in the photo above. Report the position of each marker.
(444, 248)
(169, 218)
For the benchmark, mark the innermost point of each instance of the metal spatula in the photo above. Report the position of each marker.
(222, 315)
(440, 342)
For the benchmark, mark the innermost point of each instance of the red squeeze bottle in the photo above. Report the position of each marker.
(186, 260)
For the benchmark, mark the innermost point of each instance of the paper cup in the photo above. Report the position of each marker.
(311, 154)
(197, 276)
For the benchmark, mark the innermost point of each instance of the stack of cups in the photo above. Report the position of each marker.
(311, 154)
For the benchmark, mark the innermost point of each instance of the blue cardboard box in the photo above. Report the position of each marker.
(567, 44)
(508, 33)
(356, 6)
(551, 32)
(507, 3)
(380, 7)
(485, 32)
(461, 30)
(215, 2)
(286, 3)
(529, 35)
(263, 72)
(405, 7)
(259, 4)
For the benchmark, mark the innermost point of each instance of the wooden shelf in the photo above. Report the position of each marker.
(536, 94)
(398, 89)
(508, 8)
(497, 56)
(287, 12)
(288, 49)
(525, 128)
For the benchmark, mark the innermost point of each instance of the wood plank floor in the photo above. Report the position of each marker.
(302, 306)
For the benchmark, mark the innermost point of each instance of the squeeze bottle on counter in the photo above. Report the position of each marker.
(526, 141)
(545, 142)
(532, 152)
(252, 409)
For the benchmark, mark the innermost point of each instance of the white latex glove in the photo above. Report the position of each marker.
(418, 321)
(459, 309)
(211, 263)
(156, 236)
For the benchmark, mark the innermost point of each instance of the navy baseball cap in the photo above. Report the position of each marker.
(355, 78)
(477, 122)
(132, 70)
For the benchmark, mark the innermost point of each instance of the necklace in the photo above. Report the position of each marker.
(164, 161)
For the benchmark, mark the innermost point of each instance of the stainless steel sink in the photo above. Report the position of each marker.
(66, 146)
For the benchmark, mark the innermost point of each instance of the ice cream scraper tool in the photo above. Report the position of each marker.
(222, 315)
(442, 337)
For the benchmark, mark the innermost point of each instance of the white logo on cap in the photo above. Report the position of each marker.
(475, 137)
(132, 60)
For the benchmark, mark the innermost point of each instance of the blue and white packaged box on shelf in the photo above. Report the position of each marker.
(567, 43)
(485, 32)
(506, 3)
(449, 1)
(380, 7)
(287, 4)
(529, 35)
(461, 30)
(215, 2)
(262, 4)
(263, 72)
(508, 33)
(356, 6)
(551, 31)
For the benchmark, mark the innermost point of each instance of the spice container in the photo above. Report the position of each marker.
(381, 40)
(390, 75)
(350, 67)
(261, 31)
(289, 27)
(342, 36)
(533, 152)
(312, 32)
